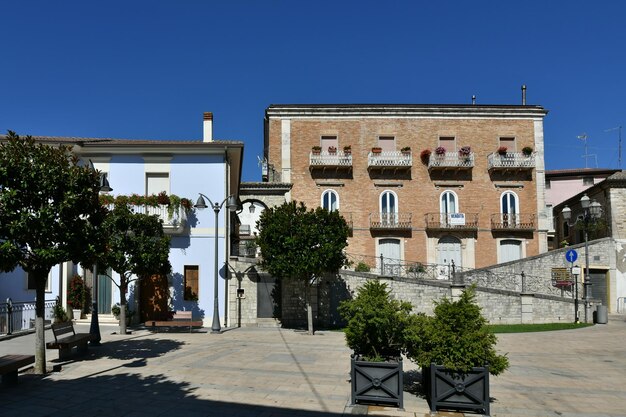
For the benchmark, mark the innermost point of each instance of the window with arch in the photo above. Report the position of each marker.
(448, 204)
(330, 200)
(388, 207)
(509, 208)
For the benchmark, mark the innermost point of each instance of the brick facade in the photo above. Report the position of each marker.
(292, 131)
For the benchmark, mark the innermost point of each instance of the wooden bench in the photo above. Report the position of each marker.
(10, 364)
(66, 343)
(179, 319)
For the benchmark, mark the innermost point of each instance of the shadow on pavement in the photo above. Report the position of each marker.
(125, 394)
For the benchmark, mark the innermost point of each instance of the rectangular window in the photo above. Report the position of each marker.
(587, 180)
(328, 141)
(509, 143)
(30, 282)
(157, 183)
(448, 143)
(191, 283)
(387, 143)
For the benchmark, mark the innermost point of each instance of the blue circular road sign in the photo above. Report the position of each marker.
(571, 255)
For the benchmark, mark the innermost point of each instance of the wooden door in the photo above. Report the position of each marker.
(154, 297)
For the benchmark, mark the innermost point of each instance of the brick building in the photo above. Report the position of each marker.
(419, 183)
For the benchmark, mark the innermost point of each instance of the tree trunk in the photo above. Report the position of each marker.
(309, 308)
(123, 286)
(40, 340)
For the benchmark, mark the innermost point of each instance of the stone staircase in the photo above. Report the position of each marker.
(102, 319)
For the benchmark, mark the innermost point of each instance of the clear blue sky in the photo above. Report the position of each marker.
(149, 69)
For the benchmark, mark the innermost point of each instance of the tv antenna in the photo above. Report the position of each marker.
(584, 138)
(619, 147)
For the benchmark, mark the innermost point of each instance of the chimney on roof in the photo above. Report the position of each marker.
(524, 95)
(207, 128)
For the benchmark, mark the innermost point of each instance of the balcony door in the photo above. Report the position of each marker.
(157, 183)
(509, 208)
(388, 208)
(447, 205)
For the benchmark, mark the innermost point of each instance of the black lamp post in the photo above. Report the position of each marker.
(231, 206)
(592, 210)
(94, 328)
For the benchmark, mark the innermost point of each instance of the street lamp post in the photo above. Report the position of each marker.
(94, 328)
(576, 274)
(231, 206)
(591, 213)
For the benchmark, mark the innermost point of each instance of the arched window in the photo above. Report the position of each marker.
(509, 208)
(388, 207)
(330, 200)
(448, 203)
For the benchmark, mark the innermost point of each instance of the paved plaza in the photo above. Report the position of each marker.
(280, 372)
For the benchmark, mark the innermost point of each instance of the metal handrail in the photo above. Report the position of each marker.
(451, 160)
(512, 221)
(19, 316)
(451, 220)
(390, 220)
(338, 158)
(390, 159)
(511, 160)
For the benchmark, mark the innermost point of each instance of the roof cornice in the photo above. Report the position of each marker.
(404, 110)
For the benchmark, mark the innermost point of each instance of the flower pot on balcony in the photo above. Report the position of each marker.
(332, 150)
(377, 150)
(316, 150)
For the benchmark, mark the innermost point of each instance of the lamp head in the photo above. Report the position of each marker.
(231, 204)
(584, 201)
(104, 184)
(595, 210)
(200, 203)
(567, 213)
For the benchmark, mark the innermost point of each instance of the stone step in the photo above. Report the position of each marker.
(102, 319)
(268, 323)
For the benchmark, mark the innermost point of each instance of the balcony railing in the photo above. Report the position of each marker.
(390, 221)
(325, 159)
(174, 223)
(458, 221)
(244, 230)
(348, 218)
(390, 159)
(451, 160)
(511, 160)
(503, 221)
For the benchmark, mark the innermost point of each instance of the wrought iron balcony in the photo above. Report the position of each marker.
(389, 160)
(451, 160)
(174, 223)
(447, 221)
(337, 159)
(390, 221)
(511, 222)
(511, 161)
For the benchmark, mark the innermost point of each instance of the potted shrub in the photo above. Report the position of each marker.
(457, 353)
(58, 312)
(362, 267)
(502, 150)
(332, 150)
(440, 151)
(347, 150)
(425, 155)
(375, 332)
(465, 153)
(406, 150)
(316, 150)
(116, 310)
(377, 150)
(527, 151)
(75, 296)
(163, 198)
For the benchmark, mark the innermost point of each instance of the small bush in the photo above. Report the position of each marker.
(75, 294)
(59, 313)
(456, 337)
(376, 322)
(362, 267)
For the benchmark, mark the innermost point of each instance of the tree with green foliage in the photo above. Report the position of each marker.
(456, 337)
(300, 244)
(49, 214)
(136, 248)
(376, 322)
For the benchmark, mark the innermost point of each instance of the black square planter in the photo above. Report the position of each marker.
(446, 389)
(376, 382)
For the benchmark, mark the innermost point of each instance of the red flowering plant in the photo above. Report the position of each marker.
(75, 293)
(440, 150)
(163, 198)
